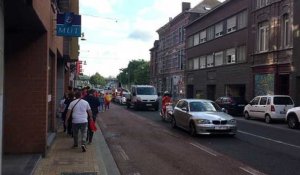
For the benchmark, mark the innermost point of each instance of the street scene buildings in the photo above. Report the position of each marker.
(37, 72)
(238, 48)
(233, 48)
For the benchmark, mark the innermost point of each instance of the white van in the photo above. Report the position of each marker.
(269, 107)
(143, 96)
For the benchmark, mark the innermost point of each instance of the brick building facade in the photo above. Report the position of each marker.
(34, 63)
(216, 50)
(273, 48)
(168, 58)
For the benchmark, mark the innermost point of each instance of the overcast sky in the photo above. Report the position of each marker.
(118, 31)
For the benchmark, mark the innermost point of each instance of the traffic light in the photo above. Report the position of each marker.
(79, 70)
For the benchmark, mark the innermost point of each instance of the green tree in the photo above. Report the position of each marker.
(97, 79)
(137, 72)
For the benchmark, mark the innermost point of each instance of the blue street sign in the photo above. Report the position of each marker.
(68, 24)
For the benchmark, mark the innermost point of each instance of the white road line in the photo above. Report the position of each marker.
(205, 149)
(272, 140)
(251, 171)
(123, 154)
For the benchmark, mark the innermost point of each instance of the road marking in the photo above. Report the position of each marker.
(122, 152)
(207, 150)
(251, 171)
(276, 141)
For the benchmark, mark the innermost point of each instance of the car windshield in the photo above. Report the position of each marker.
(204, 107)
(146, 91)
(283, 101)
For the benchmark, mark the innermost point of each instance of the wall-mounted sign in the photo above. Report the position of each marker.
(68, 24)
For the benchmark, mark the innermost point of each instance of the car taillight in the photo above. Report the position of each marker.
(272, 108)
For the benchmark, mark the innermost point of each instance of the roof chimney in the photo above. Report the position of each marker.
(186, 6)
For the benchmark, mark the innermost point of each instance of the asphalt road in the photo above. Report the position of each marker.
(142, 144)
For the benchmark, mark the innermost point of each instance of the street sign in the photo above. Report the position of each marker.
(68, 24)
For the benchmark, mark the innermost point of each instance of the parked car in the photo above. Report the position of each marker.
(200, 116)
(269, 107)
(293, 117)
(121, 99)
(232, 105)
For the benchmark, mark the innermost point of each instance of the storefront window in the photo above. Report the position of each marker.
(264, 84)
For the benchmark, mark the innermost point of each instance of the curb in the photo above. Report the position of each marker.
(107, 165)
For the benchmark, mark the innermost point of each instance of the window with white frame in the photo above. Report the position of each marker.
(196, 63)
(191, 41)
(242, 19)
(180, 33)
(241, 54)
(263, 37)
(196, 39)
(262, 3)
(202, 62)
(231, 24)
(209, 60)
(210, 33)
(286, 30)
(203, 36)
(230, 56)
(219, 29)
(218, 58)
(191, 66)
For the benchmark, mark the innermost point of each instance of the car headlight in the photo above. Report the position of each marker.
(202, 121)
(232, 121)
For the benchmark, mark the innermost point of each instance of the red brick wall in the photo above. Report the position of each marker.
(25, 102)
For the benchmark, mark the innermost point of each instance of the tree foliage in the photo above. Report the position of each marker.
(97, 79)
(137, 72)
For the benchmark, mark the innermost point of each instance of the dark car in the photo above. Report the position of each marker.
(232, 105)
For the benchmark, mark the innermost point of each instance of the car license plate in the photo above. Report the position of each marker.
(241, 105)
(282, 112)
(148, 104)
(169, 108)
(221, 127)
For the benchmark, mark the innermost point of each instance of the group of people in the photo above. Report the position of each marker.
(79, 108)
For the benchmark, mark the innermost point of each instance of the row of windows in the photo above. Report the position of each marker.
(262, 3)
(264, 34)
(229, 56)
(227, 26)
(176, 37)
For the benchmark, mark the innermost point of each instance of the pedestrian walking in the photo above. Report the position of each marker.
(107, 99)
(94, 104)
(80, 111)
(68, 126)
(101, 101)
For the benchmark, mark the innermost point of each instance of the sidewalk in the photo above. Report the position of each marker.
(63, 160)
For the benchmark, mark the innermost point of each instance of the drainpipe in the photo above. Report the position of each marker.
(1, 77)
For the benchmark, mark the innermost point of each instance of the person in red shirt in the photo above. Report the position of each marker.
(166, 99)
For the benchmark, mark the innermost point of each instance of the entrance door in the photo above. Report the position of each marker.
(283, 84)
(211, 92)
(190, 91)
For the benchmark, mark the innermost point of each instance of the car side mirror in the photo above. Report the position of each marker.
(223, 110)
(184, 109)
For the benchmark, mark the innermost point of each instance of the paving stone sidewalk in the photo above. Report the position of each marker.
(62, 159)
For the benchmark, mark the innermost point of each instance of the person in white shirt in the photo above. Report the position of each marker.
(80, 110)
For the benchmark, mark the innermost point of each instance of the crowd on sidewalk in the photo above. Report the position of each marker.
(78, 110)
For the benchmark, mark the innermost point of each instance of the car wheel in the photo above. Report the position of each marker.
(268, 118)
(135, 107)
(173, 122)
(246, 115)
(293, 122)
(192, 129)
